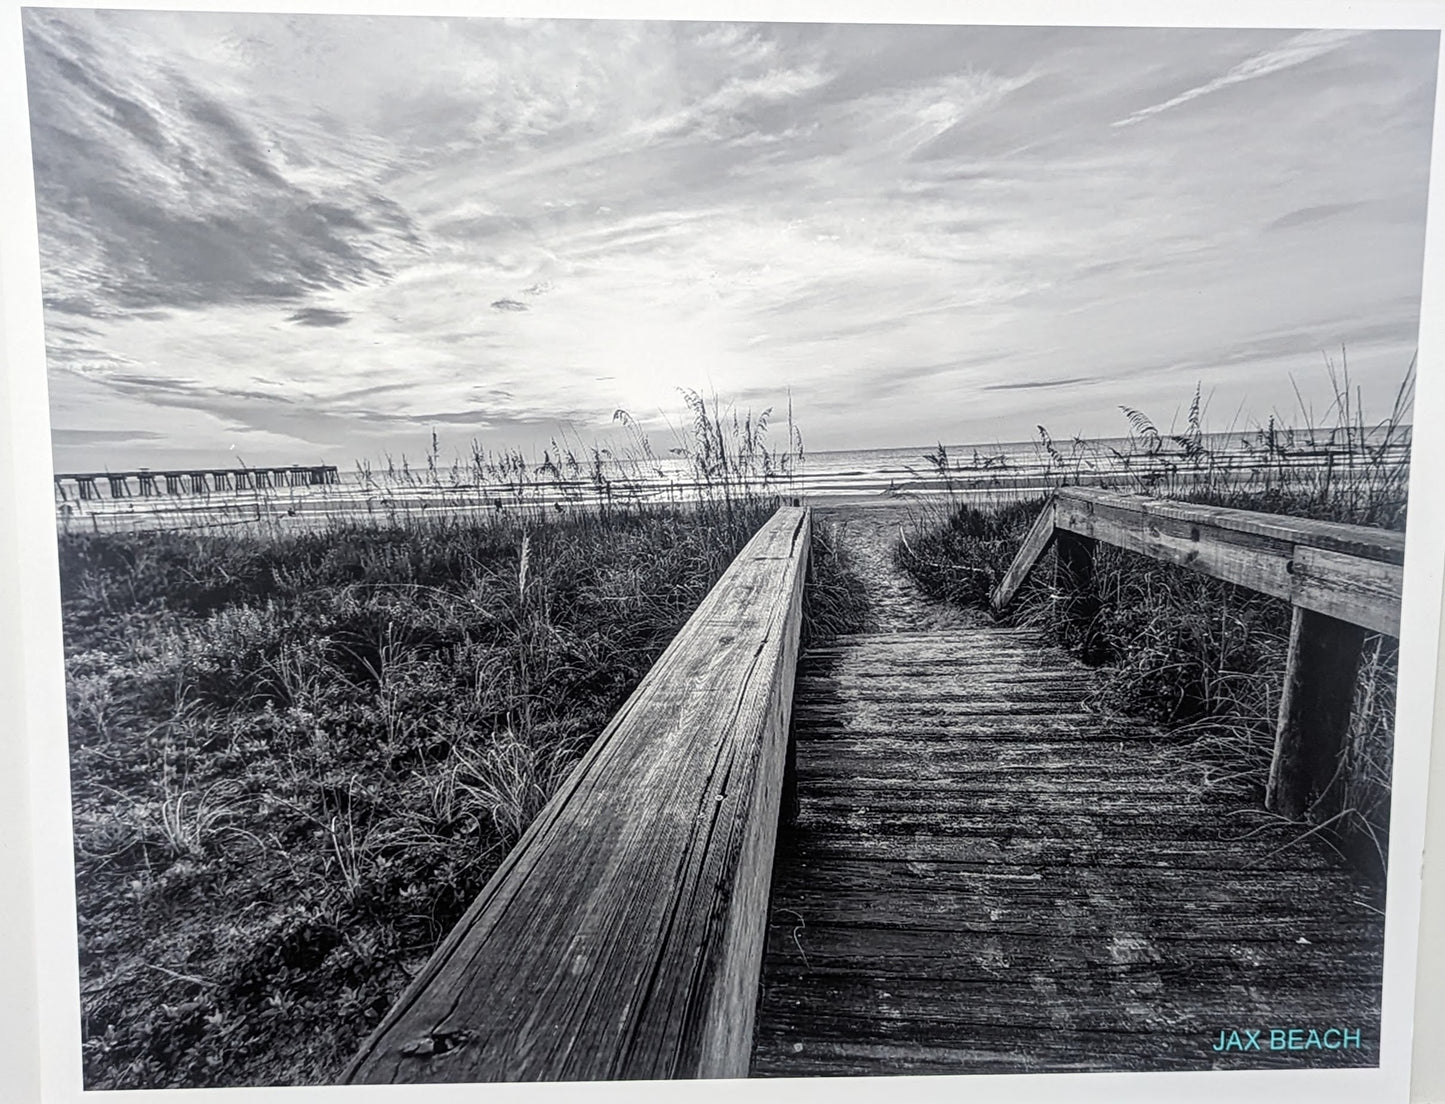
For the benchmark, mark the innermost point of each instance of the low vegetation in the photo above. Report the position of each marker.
(835, 600)
(1201, 656)
(298, 755)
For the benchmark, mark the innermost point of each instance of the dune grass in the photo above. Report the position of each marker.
(297, 755)
(1202, 657)
(835, 599)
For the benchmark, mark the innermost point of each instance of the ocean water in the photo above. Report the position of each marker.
(923, 472)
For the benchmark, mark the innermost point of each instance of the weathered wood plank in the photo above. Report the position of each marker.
(898, 718)
(1001, 685)
(879, 679)
(938, 1006)
(1007, 636)
(1361, 541)
(904, 952)
(868, 889)
(622, 937)
(930, 773)
(1007, 929)
(1036, 1051)
(1354, 574)
(823, 845)
(976, 884)
(1035, 544)
(949, 779)
(1348, 588)
(922, 836)
(1246, 559)
(1314, 711)
(1350, 572)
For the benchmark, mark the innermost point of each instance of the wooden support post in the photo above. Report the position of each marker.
(1314, 711)
(1038, 540)
(1075, 570)
(1074, 578)
(147, 484)
(173, 483)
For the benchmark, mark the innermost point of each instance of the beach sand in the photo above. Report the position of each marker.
(869, 532)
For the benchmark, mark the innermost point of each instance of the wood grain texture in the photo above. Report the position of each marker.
(1348, 588)
(974, 885)
(1349, 572)
(623, 935)
(1035, 543)
(1314, 714)
(1247, 559)
(1362, 541)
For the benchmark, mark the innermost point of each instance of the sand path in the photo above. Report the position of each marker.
(869, 534)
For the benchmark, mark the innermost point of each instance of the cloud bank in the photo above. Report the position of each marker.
(313, 237)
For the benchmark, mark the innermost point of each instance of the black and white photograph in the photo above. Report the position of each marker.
(608, 549)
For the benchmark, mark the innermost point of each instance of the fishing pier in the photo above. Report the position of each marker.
(87, 486)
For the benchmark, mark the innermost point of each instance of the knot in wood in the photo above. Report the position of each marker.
(437, 1043)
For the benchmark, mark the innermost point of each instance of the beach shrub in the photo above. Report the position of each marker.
(835, 600)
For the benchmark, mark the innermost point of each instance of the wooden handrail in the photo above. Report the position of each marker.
(1349, 572)
(623, 936)
(1342, 581)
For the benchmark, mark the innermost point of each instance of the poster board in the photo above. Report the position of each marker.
(41, 687)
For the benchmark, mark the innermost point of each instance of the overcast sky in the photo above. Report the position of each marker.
(296, 239)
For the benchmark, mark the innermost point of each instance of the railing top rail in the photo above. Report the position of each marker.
(1351, 540)
(1349, 572)
(623, 936)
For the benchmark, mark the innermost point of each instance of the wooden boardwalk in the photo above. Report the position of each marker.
(973, 872)
(983, 876)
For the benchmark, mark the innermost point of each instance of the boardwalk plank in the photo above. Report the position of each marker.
(825, 845)
(985, 876)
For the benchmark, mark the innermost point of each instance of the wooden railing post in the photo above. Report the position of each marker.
(1314, 710)
(1074, 579)
(1039, 539)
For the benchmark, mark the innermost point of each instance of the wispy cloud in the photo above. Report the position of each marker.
(319, 316)
(1295, 51)
(1030, 385)
(1307, 215)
